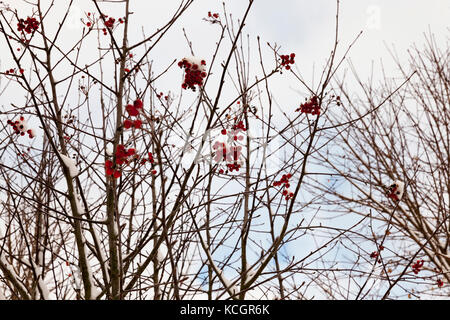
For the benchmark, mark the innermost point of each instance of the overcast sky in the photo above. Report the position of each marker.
(302, 26)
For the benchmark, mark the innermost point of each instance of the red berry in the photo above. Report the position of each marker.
(138, 103)
(127, 124)
(137, 124)
(132, 110)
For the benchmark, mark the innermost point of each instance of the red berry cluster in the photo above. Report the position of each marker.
(233, 166)
(122, 157)
(29, 25)
(13, 71)
(235, 130)
(287, 194)
(213, 15)
(287, 59)
(134, 111)
(20, 127)
(440, 283)
(417, 266)
(375, 254)
(194, 74)
(90, 22)
(150, 159)
(239, 126)
(110, 22)
(285, 180)
(127, 124)
(135, 108)
(123, 154)
(311, 106)
(111, 170)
